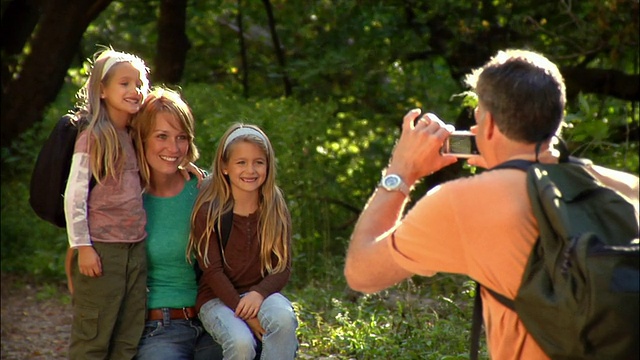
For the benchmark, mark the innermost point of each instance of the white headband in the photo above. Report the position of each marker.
(243, 131)
(122, 57)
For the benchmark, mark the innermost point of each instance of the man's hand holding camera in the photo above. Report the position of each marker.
(417, 153)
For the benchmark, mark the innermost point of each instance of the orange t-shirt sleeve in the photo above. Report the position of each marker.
(428, 241)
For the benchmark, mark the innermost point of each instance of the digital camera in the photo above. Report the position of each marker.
(462, 144)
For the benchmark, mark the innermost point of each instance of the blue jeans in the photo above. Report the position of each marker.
(276, 316)
(177, 340)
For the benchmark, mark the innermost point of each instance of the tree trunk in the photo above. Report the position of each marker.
(278, 48)
(173, 42)
(18, 21)
(243, 53)
(53, 46)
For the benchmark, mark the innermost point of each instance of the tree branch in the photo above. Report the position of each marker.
(607, 82)
(278, 48)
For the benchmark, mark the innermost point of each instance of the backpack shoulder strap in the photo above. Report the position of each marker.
(227, 224)
(476, 320)
(514, 164)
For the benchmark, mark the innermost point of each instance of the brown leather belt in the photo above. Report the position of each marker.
(174, 314)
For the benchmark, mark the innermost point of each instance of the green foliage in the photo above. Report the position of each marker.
(356, 69)
(316, 168)
(29, 245)
(113, 28)
(317, 164)
(407, 321)
(605, 131)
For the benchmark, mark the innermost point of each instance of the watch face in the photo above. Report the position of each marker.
(391, 181)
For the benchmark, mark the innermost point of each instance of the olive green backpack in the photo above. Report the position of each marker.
(579, 295)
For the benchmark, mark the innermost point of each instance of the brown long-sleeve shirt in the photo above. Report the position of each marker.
(241, 273)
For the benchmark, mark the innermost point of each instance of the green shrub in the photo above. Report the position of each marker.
(329, 161)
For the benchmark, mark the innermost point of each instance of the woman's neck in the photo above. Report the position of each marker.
(163, 185)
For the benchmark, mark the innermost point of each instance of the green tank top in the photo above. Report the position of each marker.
(170, 279)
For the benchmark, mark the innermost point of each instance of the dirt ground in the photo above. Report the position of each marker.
(36, 322)
(34, 325)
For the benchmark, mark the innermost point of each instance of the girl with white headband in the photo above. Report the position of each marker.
(107, 229)
(239, 299)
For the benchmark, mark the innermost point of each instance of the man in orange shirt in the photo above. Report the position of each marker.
(481, 226)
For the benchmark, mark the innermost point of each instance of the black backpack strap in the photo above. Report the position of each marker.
(226, 224)
(514, 164)
(476, 320)
(559, 145)
(92, 182)
(81, 123)
(476, 324)
(523, 165)
(505, 301)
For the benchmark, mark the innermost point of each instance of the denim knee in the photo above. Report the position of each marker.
(281, 320)
(241, 347)
(277, 314)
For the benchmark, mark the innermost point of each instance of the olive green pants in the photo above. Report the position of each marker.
(109, 311)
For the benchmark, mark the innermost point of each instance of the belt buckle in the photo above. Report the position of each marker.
(185, 313)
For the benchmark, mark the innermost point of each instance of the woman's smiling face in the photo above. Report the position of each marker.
(166, 145)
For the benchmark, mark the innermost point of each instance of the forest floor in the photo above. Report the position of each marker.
(36, 320)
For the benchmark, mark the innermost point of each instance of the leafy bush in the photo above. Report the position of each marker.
(407, 321)
(607, 133)
(319, 169)
(326, 172)
(329, 159)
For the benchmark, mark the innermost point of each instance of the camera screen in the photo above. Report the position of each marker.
(461, 144)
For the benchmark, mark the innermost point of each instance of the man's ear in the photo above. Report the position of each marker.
(490, 125)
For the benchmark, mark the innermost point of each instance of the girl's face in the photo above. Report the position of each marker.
(166, 145)
(122, 93)
(247, 167)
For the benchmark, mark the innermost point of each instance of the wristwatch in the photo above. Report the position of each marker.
(393, 182)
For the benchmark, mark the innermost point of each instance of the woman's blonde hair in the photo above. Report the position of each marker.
(215, 199)
(161, 100)
(105, 149)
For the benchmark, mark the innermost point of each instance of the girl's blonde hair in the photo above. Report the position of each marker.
(215, 198)
(105, 149)
(161, 100)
